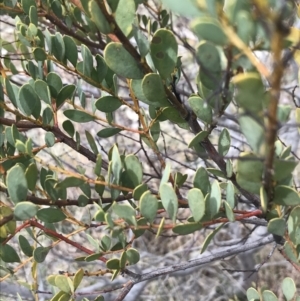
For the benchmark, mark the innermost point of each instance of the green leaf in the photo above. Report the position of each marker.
(105, 243)
(196, 203)
(91, 142)
(69, 128)
(71, 50)
(40, 254)
(78, 116)
(201, 180)
(139, 232)
(20, 146)
(290, 252)
(198, 138)
(121, 62)
(209, 238)
(141, 40)
(269, 296)
(254, 133)
(230, 198)
(8, 254)
(108, 104)
(210, 64)
(126, 212)
(12, 92)
(180, 179)
(139, 190)
(277, 226)
(288, 288)
(47, 116)
(134, 169)
(78, 278)
(250, 91)
(133, 256)
(25, 246)
(294, 225)
(171, 114)
(25, 210)
(64, 283)
(153, 89)
(229, 168)
(16, 184)
(26, 5)
(98, 165)
(116, 164)
(87, 60)
(184, 229)
(166, 174)
(93, 242)
(163, 48)
(124, 15)
(50, 189)
(83, 200)
(108, 132)
(252, 294)
(51, 215)
(98, 187)
(39, 54)
(229, 212)
(201, 108)
(113, 264)
(214, 199)
(70, 182)
(49, 139)
(93, 257)
(148, 206)
(207, 28)
(169, 200)
(55, 83)
(98, 17)
(65, 93)
(100, 72)
(224, 142)
(249, 172)
(58, 46)
(28, 101)
(286, 196)
(284, 168)
(43, 91)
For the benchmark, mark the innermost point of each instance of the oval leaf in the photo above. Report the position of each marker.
(16, 184)
(121, 62)
(169, 200)
(148, 206)
(196, 203)
(50, 215)
(25, 210)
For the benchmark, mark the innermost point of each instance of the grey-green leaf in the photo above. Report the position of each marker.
(169, 200)
(163, 49)
(148, 206)
(16, 184)
(108, 104)
(78, 116)
(196, 203)
(121, 62)
(25, 210)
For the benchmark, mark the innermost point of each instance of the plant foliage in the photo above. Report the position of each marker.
(173, 128)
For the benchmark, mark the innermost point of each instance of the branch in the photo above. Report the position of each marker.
(137, 278)
(6, 219)
(58, 134)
